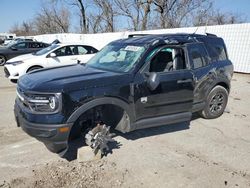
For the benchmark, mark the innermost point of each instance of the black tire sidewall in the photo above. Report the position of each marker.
(206, 113)
(33, 68)
(1, 64)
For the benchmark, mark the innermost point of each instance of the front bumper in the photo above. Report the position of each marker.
(11, 72)
(49, 134)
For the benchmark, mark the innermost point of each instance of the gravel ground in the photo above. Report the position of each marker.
(202, 153)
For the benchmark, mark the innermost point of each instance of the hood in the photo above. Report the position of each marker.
(22, 58)
(69, 78)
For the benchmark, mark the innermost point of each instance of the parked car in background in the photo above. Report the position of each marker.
(17, 40)
(7, 41)
(52, 56)
(19, 48)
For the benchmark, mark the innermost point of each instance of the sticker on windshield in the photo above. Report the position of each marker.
(133, 48)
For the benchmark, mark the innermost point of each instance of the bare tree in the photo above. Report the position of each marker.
(52, 20)
(81, 6)
(146, 6)
(177, 13)
(216, 17)
(25, 29)
(112, 15)
(135, 11)
(103, 20)
(130, 10)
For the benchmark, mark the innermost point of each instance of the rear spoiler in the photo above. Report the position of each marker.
(211, 35)
(137, 35)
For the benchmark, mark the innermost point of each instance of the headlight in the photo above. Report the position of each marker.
(47, 103)
(41, 103)
(14, 63)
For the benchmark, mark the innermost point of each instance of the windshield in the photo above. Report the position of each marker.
(117, 57)
(11, 43)
(46, 50)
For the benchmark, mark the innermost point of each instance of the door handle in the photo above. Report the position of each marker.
(184, 81)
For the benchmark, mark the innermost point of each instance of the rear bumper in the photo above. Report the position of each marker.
(49, 134)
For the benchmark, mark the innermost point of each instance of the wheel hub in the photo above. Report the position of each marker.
(216, 103)
(98, 138)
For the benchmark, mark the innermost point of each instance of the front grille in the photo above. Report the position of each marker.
(7, 73)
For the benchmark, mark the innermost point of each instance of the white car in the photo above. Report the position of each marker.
(52, 56)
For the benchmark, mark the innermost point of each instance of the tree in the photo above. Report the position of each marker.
(25, 29)
(216, 17)
(81, 6)
(178, 13)
(103, 20)
(52, 20)
(135, 11)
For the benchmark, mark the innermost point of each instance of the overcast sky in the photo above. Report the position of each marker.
(17, 11)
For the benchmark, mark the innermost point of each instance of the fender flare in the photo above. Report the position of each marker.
(101, 101)
(217, 82)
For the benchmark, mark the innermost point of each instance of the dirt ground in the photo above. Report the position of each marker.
(204, 153)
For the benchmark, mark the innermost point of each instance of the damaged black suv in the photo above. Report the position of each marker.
(132, 83)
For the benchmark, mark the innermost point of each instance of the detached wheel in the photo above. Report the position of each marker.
(2, 60)
(216, 103)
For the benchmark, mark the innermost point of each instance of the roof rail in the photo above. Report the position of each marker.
(137, 35)
(211, 35)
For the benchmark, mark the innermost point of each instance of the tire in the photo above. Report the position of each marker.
(2, 60)
(215, 103)
(33, 68)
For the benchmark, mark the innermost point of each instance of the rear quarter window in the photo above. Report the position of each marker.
(198, 56)
(216, 49)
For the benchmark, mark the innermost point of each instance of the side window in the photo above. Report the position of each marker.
(90, 49)
(60, 52)
(220, 51)
(33, 45)
(167, 59)
(21, 45)
(216, 50)
(198, 56)
(82, 50)
(39, 45)
(64, 51)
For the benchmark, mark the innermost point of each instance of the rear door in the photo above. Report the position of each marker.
(33, 47)
(204, 72)
(173, 94)
(85, 53)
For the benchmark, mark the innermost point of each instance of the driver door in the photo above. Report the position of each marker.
(164, 89)
(64, 56)
(19, 49)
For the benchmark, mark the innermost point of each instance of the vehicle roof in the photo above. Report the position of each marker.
(27, 41)
(71, 43)
(180, 38)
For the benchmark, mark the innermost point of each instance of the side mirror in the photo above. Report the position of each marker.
(13, 48)
(153, 80)
(52, 55)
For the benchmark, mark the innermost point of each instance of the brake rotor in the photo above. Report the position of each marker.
(98, 138)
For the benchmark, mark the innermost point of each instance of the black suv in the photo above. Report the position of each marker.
(133, 83)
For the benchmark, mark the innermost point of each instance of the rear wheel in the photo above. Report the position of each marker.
(2, 60)
(215, 103)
